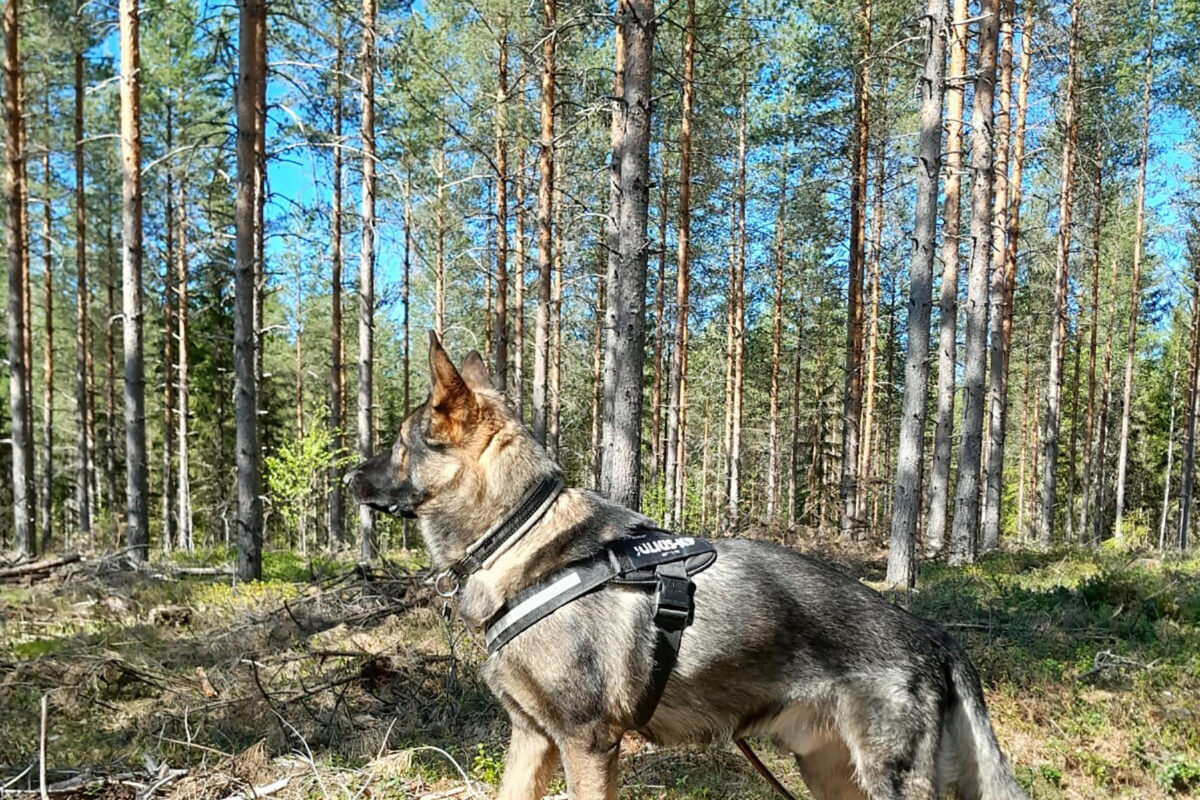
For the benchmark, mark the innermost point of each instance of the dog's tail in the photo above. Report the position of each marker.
(984, 772)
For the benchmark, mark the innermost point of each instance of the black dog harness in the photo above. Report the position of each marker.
(649, 558)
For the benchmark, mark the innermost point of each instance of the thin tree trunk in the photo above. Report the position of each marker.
(541, 346)
(47, 497)
(874, 261)
(730, 333)
(997, 399)
(1166, 501)
(676, 460)
(1105, 404)
(598, 370)
(738, 299)
(260, 190)
(337, 347)
(1073, 449)
(18, 357)
(137, 532)
(776, 336)
(794, 461)
(366, 273)
(518, 392)
(658, 357)
(500, 354)
(554, 383)
(168, 410)
(245, 343)
(110, 398)
(1089, 423)
(939, 478)
(909, 458)
(1135, 297)
(1189, 457)
(439, 262)
(83, 478)
(624, 351)
(966, 497)
(1052, 417)
(852, 406)
(184, 503)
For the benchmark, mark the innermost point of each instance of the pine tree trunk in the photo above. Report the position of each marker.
(439, 258)
(624, 351)
(18, 357)
(676, 460)
(852, 405)
(597, 450)
(1052, 417)
(110, 385)
(137, 531)
(500, 353)
(776, 336)
(794, 461)
(939, 478)
(872, 345)
(337, 348)
(909, 459)
(738, 298)
(518, 391)
(997, 399)
(656, 398)
(1101, 461)
(731, 309)
(1089, 422)
(245, 343)
(168, 409)
(1135, 297)
(260, 191)
(366, 273)
(83, 477)
(966, 497)
(184, 503)
(553, 382)
(541, 345)
(1166, 501)
(1073, 448)
(47, 494)
(1189, 457)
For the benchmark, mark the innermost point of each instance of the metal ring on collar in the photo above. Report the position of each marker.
(446, 584)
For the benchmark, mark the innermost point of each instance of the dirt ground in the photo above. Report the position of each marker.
(328, 681)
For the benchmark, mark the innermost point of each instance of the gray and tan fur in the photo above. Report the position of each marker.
(874, 702)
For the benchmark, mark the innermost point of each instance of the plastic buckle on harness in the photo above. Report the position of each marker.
(673, 601)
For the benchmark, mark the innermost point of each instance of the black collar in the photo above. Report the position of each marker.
(504, 533)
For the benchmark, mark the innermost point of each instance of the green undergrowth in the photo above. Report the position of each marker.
(1090, 661)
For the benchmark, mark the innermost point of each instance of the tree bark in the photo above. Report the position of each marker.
(909, 459)
(1089, 422)
(366, 273)
(337, 348)
(1135, 296)
(997, 399)
(184, 503)
(541, 345)
(1166, 501)
(1189, 457)
(776, 337)
(1052, 416)
(260, 191)
(439, 257)
(738, 298)
(676, 460)
(518, 392)
(83, 477)
(939, 478)
(624, 352)
(656, 396)
(47, 496)
(598, 375)
(852, 405)
(874, 261)
(245, 341)
(137, 531)
(110, 385)
(500, 354)
(553, 380)
(168, 409)
(18, 357)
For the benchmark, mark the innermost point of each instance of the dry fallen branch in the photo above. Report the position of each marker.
(34, 567)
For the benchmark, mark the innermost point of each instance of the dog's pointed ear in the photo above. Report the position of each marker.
(474, 371)
(451, 401)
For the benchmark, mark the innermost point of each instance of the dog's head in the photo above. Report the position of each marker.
(461, 461)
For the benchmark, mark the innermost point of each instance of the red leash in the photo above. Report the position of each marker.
(761, 769)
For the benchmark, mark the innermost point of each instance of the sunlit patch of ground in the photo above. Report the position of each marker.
(326, 682)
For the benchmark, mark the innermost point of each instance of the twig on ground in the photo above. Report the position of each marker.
(42, 753)
(38, 566)
(261, 791)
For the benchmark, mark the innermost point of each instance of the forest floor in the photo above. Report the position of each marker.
(327, 682)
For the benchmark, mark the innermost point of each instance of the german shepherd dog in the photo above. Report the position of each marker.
(873, 702)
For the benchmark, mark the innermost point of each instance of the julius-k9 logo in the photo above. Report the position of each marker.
(663, 545)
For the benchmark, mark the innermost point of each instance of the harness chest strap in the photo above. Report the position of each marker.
(647, 559)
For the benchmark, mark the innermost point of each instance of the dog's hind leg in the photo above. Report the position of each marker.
(829, 773)
(530, 762)
(590, 761)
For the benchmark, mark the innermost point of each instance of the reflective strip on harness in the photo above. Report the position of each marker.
(532, 604)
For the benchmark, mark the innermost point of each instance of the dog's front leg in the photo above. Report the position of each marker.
(530, 761)
(590, 761)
